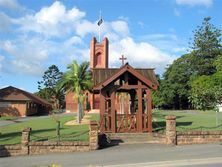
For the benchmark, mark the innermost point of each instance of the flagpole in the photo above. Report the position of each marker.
(100, 16)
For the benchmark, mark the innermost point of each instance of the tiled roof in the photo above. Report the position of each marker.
(11, 93)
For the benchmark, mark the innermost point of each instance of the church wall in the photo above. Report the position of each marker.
(71, 103)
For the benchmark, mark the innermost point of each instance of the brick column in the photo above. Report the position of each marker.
(93, 135)
(170, 130)
(25, 140)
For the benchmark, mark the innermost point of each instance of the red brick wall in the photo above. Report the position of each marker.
(71, 103)
(14, 109)
(199, 137)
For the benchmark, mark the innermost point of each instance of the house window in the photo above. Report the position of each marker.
(5, 104)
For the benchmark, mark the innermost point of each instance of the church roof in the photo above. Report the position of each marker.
(101, 75)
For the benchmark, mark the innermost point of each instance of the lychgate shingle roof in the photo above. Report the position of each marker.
(102, 74)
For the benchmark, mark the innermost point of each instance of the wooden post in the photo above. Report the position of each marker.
(132, 97)
(93, 101)
(113, 112)
(139, 120)
(126, 114)
(149, 109)
(102, 111)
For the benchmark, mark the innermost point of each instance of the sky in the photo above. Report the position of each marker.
(36, 34)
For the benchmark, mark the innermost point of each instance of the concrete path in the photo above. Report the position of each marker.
(136, 155)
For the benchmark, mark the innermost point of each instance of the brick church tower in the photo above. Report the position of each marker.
(99, 53)
(99, 58)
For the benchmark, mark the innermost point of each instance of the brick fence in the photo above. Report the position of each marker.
(189, 137)
(30, 148)
(172, 137)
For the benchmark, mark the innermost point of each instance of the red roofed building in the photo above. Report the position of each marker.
(17, 102)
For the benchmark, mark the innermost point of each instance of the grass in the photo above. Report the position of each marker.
(7, 118)
(44, 129)
(189, 120)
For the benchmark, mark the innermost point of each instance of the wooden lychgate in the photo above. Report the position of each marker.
(125, 100)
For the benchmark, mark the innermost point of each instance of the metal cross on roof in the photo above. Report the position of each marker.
(122, 58)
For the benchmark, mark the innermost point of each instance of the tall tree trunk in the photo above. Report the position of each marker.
(79, 113)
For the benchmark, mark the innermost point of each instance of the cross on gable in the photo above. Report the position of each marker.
(122, 58)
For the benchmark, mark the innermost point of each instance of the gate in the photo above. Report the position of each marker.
(126, 123)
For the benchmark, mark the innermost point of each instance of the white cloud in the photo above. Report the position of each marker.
(1, 62)
(57, 35)
(86, 27)
(25, 55)
(140, 54)
(167, 43)
(5, 22)
(177, 12)
(51, 21)
(75, 40)
(206, 3)
(120, 27)
(57, 13)
(27, 67)
(113, 30)
(10, 4)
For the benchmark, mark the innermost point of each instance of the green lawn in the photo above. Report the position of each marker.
(7, 118)
(189, 120)
(44, 129)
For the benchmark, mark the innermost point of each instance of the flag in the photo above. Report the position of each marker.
(100, 22)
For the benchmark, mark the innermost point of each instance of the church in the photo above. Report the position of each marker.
(122, 95)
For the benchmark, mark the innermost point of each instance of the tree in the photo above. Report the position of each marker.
(47, 87)
(77, 79)
(206, 47)
(206, 91)
(193, 77)
(218, 63)
(206, 83)
(174, 87)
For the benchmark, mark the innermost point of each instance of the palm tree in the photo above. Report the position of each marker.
(77, 79)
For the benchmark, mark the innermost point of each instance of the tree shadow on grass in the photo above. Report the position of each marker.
(8, 136)
(64, 136)
(163, 115)
(160, 126)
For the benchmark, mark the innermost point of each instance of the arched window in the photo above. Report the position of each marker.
(98, 59)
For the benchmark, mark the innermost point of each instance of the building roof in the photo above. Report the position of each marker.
(11, 93)
(100, 76)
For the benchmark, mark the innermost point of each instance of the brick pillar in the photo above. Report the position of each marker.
(170, 130)
(93, 135)
(25, 140)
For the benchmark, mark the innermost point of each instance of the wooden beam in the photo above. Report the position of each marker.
(102, 111)
(126, 78)
(113, 112)
(128, 87)
(139, 118)
(149, 108)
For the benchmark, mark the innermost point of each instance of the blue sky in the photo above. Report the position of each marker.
(150, 33)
